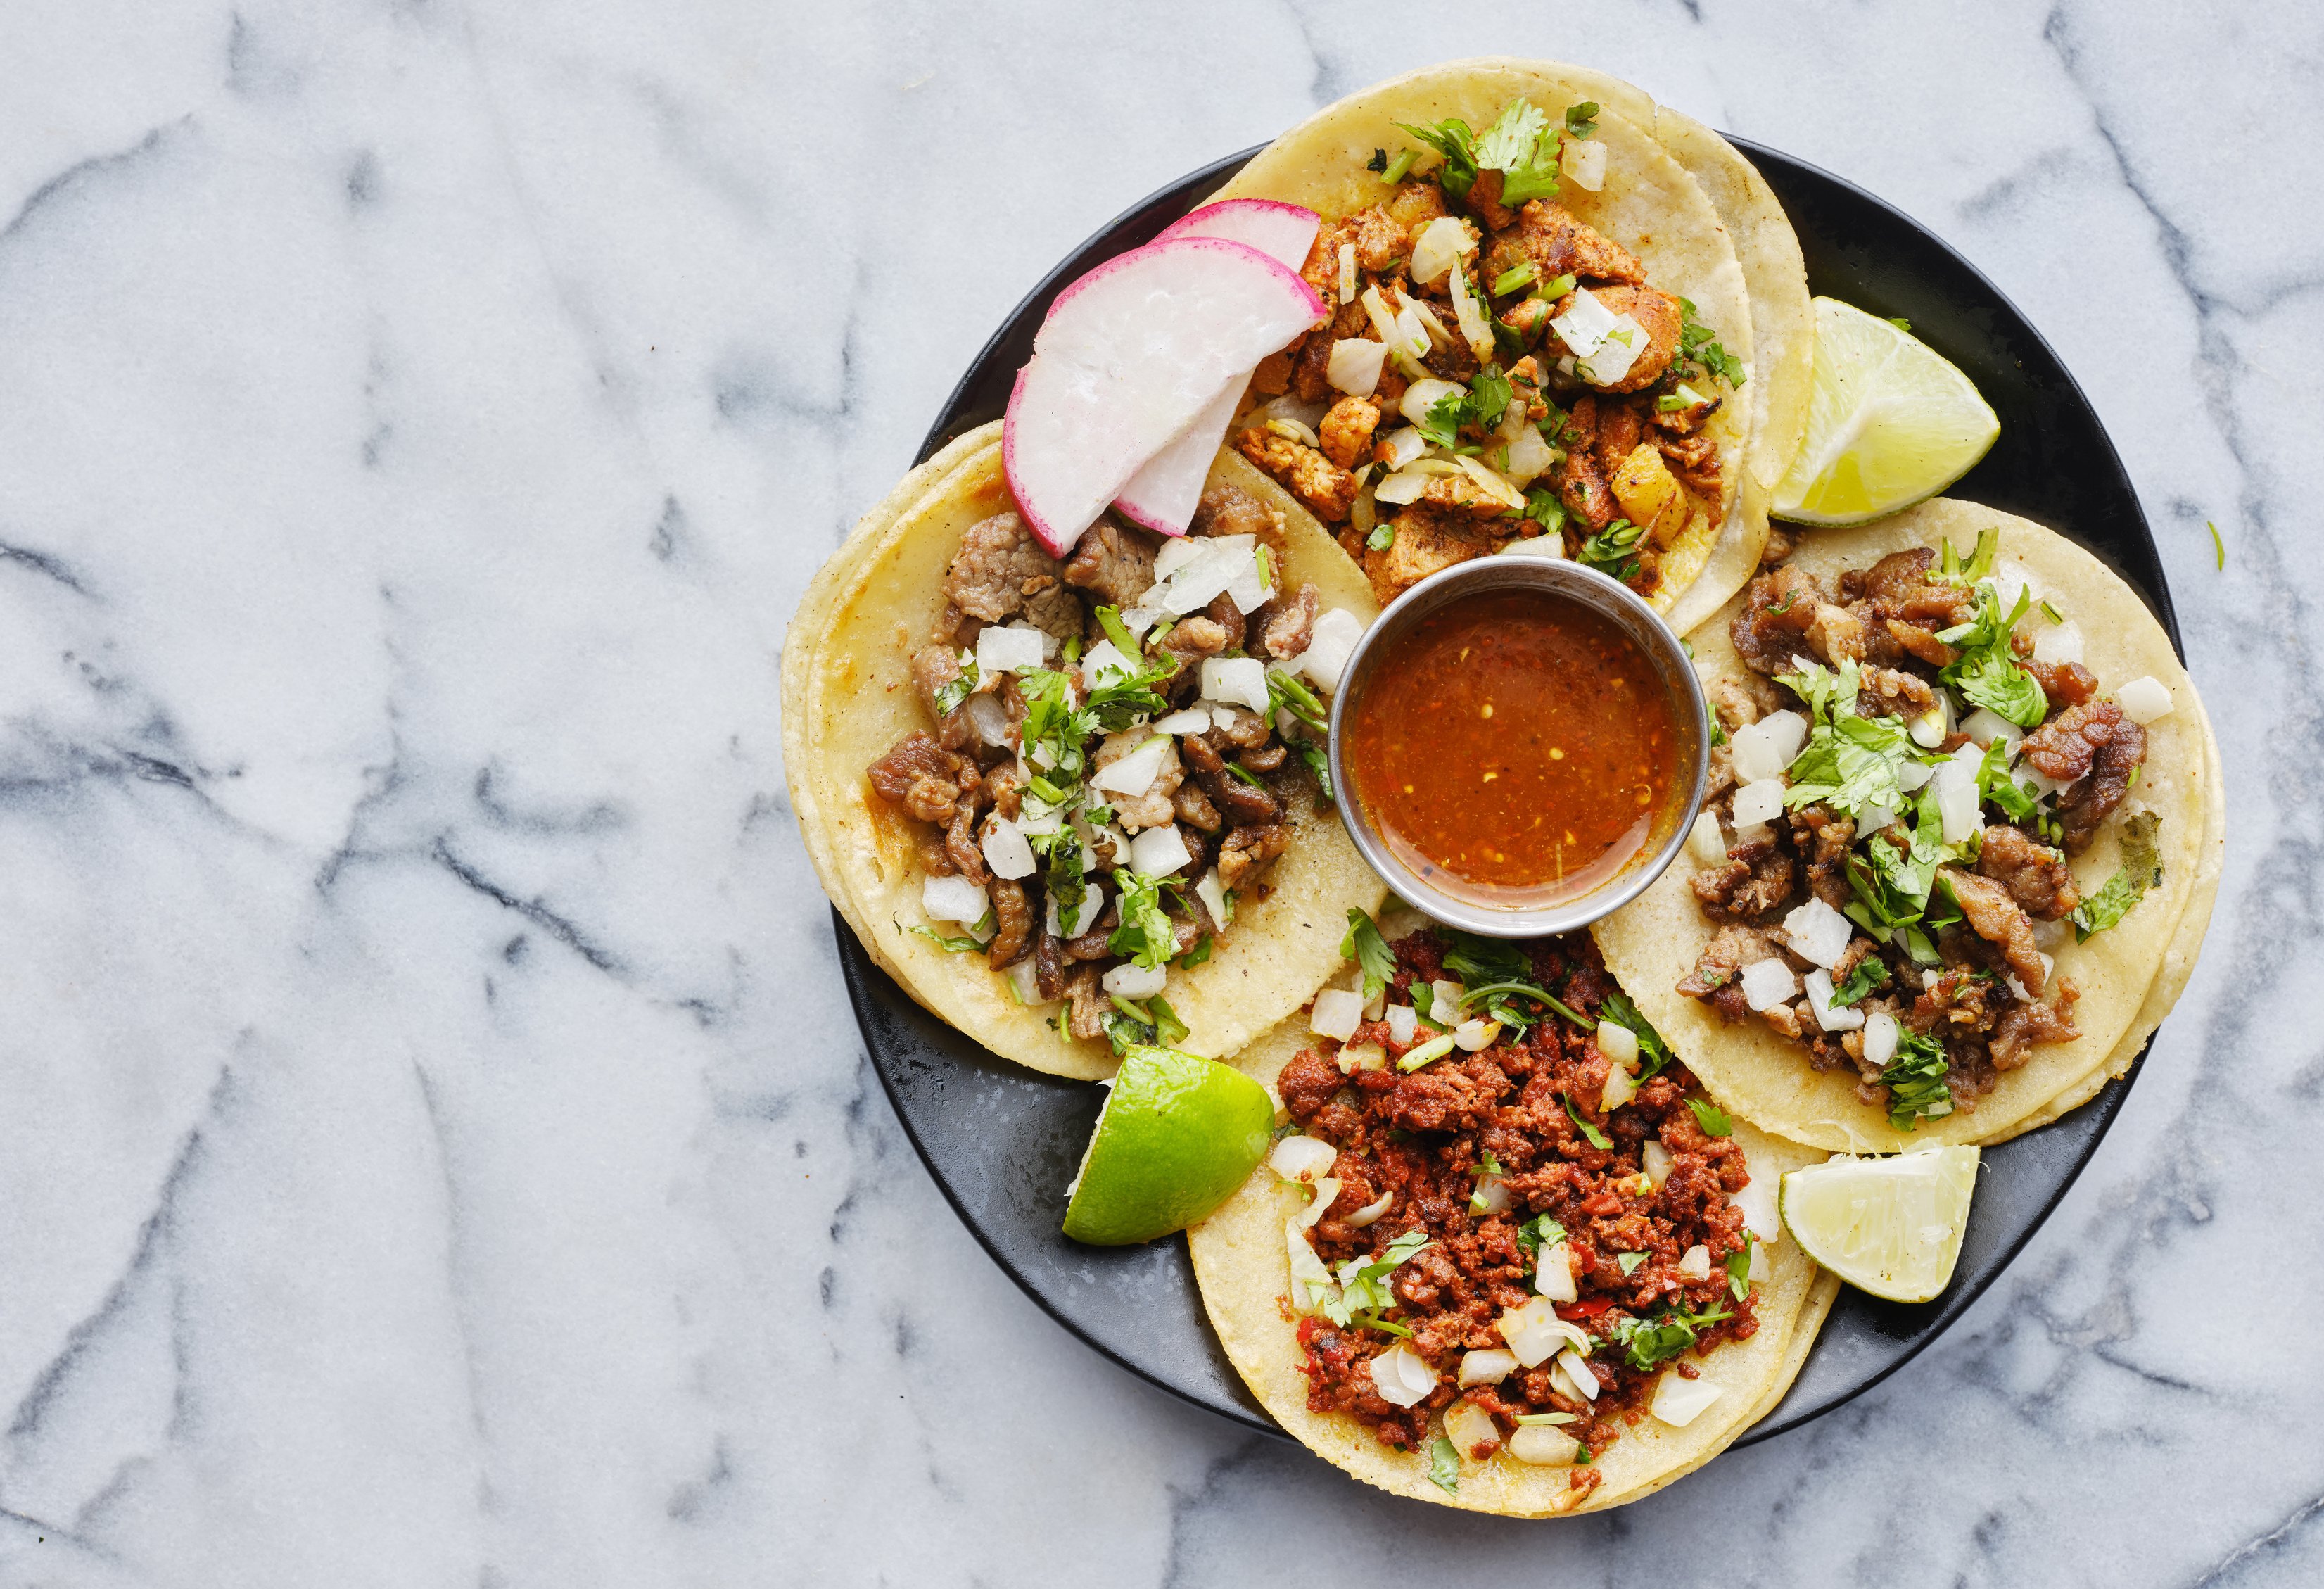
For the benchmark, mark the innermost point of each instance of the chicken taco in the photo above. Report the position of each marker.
(1508, 1256)
(1074, 804)
(1540, 329)
(1966, 798)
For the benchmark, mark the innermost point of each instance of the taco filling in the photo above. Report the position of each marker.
(1494, 369)
(1526, 1220)
(1913, 753)
(1114, 743)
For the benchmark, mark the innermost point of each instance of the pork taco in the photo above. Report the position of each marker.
(1966, 797)
(1541, 326)
(1520, 1264)
(1074, 804)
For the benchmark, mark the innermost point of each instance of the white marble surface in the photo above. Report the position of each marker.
(433, 1146)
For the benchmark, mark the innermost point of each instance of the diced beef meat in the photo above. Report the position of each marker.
(1997, 917)
(999, 569)
(1426, 538)
(1308, 1082)
(1772, 628)
(2081, 808)
(1232, 727)
(1547, 234)
(1004, 788)
(1822, 837)
(2065, 748)
(2035, 876)
(922, 776)
(1012, 916)
(1151, 808)
(1347, 431)
(1242, 804)
(1835, 635)
(1716, 969)
(1754, 879)
(2025, 1024)
(933, 667)
(1248, 849)
(961, 843)
(1322, 486)
(1051, 966)
(1086, 1005)
(1920, 642)
(2065, 684)
(1890, 692)
(1266, 759)
(1230, 510)
(1113, 564)
(1193, 808)
(1694, 460)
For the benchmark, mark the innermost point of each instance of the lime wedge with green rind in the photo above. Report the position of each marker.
(1890, 1226)
(1178, 1133)
(1889, 423)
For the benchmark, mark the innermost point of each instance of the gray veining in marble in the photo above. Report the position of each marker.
(433, 1146)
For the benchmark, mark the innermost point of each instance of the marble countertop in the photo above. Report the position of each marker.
(433, 1149)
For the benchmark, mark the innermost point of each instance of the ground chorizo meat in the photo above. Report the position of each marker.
(1522, 1112)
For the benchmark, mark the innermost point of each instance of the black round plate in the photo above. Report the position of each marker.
(1002, 1141)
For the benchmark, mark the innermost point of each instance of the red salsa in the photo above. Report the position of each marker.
(1514, 748)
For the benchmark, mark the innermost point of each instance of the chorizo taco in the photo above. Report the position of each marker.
(1074, 804)
(1960, 844)
(1548, 300)
(1508, 1256)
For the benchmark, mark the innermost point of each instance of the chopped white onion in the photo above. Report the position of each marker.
(1355, 1057)
(1767, 983)
(1957, 800)
(1402, 1024)
(1440, 243)
(1405, 445)
(1704, 842)
(1615, 355)
(1402, 1376)
(1024, 981)
(1213, 895)
(1656, 1160)
(1474, 1035)
(1103, 662)
(1490, 1197)
(1354, 366)
(1758, 1202)
(1879, 1037)
(2144, 699)
(1327, 1192)
(1422, 395)
(1240, 679)
(1133, 774)
(1295, 430)
(1787, 732)
(1817, 932)
(1337, 1013)
(1158, 851)
(1471, 317)
(1471, 1430)
(1621, 1086)
(1577, 1373)
(1530, 454)
(1302, 1158)
(1347, 272)
(1310, 1281)
(1419, 319)
(1911, 774)
(1544, 1445)
(1371, 1210)
(1751, 752)
(1553, 1273)
(989, 718)
(1008, 650)
(1005, 851)
(1131, 981)
(1585, 161)
(1873, 818)
(1390, 324)
(1402, 488)
(1929, 729)
(1329, 645)
(1757, 1270)
(1491, 484)
(1617, 1043)
(1761, 800)
(1694, 1263)
(1487, 1365)
(1584, 326)
(1679, 1401)
(1828, 1016)
(1985, 727)
(952, 899)
(1536, 1334)
(2059, 644)
(1187, 720)
(1092, 906)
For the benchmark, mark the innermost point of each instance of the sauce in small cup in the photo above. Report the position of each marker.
(1520, 744)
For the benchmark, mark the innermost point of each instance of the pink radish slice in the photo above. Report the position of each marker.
(1280, 231)
(1163, 495)
(1129, 356)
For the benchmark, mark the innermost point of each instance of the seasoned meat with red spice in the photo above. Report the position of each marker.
(1547, 234)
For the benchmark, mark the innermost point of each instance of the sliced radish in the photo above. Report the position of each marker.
(1283, 232)
(1163, 495)
(1130, 355)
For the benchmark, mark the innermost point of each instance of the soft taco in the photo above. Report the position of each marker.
(1967, 798)
(1522, 1265)
(1073, 804)
(1548, 301)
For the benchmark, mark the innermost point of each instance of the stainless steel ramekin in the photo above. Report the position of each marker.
(1662, 645)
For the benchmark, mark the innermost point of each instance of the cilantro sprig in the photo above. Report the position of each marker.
(1915, 1080)
(1363, 944)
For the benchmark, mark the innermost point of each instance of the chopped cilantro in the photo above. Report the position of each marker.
(1739, 1268)
(1900, 322)
(1196, 955)
(1378, 161)
(1849, 762)
(1653, 1052)
(1319, 764)
(1581, 120)
(1953, 570)
(1629, 1262)
(1146, 934)
(1400, 167)
(1540, 1230)
(1480, 407)
(1363, 944)
(1443, 1465)
(1915, 1080)
(1545, 510)
(1609, 551)
(1713, 1120)
(952, 693)
(961, 946)
(1988, 671)
(1655, 1341)
(1109, 620)
(1994, 786)
(1870, 972)
(1133, 1025)
(1521, 146)
(1452, 139)
(2141, 868)
(1364, 1293)
(1697, 344)
(1288, 694)
(1591, 1133)
(1383, 535)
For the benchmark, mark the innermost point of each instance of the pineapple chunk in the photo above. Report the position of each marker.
(1650, 495)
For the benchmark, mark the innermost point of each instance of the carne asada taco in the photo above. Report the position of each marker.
(1541, 326)
(1518, 1265)
(1072, 805)
(1966, 797)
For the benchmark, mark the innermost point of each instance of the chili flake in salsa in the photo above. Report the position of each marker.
(1514, 745)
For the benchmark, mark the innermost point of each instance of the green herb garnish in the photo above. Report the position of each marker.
(1383, 535)
(1591, 1133)
(1653, 1052)
(1915, 1080)
(1714, 1121)
(1363, 944)
(2141, 868)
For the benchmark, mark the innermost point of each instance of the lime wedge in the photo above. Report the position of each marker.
(1889, 423)
(1891, 1226)
(1177, 1135)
